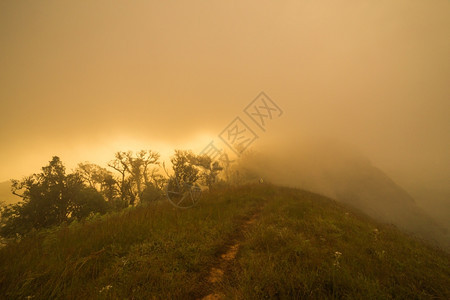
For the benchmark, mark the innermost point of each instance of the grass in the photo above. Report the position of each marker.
(307, 246)
(153, 251)
(289, 252)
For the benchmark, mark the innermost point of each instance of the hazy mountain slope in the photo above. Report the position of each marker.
(435, 202)
(344, 175)
(297, 245)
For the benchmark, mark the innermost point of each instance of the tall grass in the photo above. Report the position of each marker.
(308, 246)
(144, 252)
(290, 251)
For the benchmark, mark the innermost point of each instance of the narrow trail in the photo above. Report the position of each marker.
(216, 273)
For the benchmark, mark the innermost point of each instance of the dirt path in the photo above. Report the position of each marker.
(217, 272)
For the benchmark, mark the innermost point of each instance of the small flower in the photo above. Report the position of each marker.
(381, 254)
(376, 233)
(337, 255)
(105, 288)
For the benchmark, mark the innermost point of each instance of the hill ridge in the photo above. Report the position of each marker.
(290, 251)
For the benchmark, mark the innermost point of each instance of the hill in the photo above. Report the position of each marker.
(249, 242)
(341, 173)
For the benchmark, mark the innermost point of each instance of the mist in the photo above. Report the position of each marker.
(338, 171)
(83, 80)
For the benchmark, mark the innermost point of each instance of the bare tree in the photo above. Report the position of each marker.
(99, 178)
(135, 173)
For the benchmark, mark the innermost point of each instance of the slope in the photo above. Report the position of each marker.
(290, 243)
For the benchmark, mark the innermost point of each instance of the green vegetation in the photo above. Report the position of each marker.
(49, 198)
(300, 245)
(52, 197)
(307, 246)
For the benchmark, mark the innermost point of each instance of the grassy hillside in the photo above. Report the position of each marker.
(352, 179)
(251, 242)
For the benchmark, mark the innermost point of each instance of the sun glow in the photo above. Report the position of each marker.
(104, 153)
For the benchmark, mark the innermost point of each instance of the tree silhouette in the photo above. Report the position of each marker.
(135, 173)
(184, 164)
(99, 178)
(191, 169)
(49, 198)
(210, 170)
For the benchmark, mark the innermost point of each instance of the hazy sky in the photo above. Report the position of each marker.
(83, 79)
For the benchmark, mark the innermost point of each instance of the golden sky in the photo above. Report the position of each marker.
(82, 79)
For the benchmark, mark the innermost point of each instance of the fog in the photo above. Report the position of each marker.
(85, 79)
(336, 170)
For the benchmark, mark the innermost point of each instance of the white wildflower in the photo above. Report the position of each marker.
(337, 255)
(106, 288)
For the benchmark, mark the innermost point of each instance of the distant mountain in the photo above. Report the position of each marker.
(435, 202)
(348, 177)
(5, 193)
